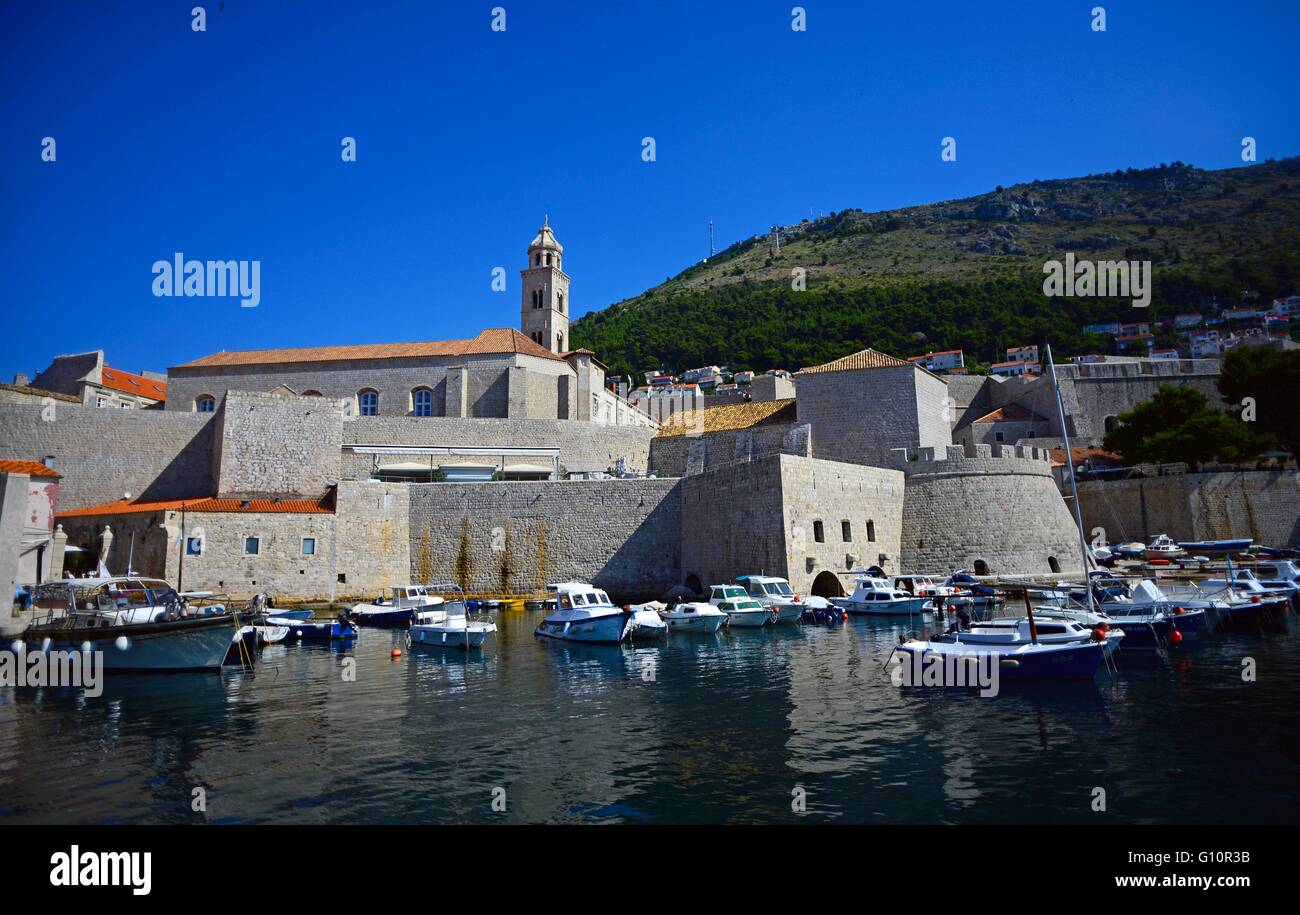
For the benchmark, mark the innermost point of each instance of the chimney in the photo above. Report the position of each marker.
(48, 461)
(21, 380)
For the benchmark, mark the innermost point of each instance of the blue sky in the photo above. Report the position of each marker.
(225, 144)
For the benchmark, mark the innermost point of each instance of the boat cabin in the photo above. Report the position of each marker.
(111, 600)
(720, 593)
(579, 595)
(766, 587)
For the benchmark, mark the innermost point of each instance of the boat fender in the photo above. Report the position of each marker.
(45, 645)
(86, 648)
(17, 646)
(1010, 662)
(122, 643)
(1099, 634)
(1175, 636)
(395, 653)
(1178, 611)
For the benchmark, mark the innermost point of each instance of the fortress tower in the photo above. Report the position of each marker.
(544, 312)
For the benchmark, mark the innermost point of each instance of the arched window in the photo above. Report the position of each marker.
(312, 394)
(537, 260)
(981, 567)
(1111, 423)
(368, 402)
(819, 533)
(560, 302)
(546, 259)
(559, 342)
(422, 402)
(205, 403)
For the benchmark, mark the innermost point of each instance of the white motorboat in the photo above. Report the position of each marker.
(1163, 547)
(878, 597)
(584, 613)
(694, 617)
(1047, 630)
(775, 594)
(646, 623)
(745, 612)
(398, 609)
(447, 624)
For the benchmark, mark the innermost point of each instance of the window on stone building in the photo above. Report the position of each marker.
(368, 403)
(309, 546)
(846, 531)
(819, 533)
(981, 567)
(1053, 564)
(205, 404)
(312, 394)
(422, 402)
(997, 436)
(560, 301)
(252, 546)
(101, 401)
(193, 546)
(871, 532)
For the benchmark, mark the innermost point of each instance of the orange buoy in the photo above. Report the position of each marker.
(397, 652)
(1175, 636)
(1178, 611)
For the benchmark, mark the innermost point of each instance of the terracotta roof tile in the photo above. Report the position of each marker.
(31, 468)
(731, 417)
(493, 340)
(131, 383)
(1011, 413)
(864, 359)
(1079, 455)
(320, 506)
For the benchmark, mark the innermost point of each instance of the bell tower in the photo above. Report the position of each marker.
(544, 313)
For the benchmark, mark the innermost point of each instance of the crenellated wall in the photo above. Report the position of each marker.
(985, 506)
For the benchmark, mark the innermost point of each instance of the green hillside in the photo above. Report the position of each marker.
(967, 273)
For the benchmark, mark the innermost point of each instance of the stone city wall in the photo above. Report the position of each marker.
(268, 444)
(991, 509)
(516, 537)
(356, 552)
(103, 453)
(583, 445)
(1261, 504)
(786, 515)
(678, 455)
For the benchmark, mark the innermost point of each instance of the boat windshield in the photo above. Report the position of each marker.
(778, 589)
(577, 600)
(593, 600)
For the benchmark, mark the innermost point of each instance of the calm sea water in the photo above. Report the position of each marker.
(693, 730)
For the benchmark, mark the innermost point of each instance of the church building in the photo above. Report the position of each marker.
(501, 373)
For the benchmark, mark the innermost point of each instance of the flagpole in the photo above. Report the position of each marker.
(180, 568)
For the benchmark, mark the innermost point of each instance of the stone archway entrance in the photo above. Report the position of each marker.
(827, 584)
(693, 584)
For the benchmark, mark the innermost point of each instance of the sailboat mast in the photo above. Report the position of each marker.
(1074, 489)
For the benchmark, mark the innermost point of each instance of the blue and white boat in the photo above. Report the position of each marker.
(1217, 547)
(584, 613)
(646, 622)
(396, 610)
(139, 624)
(335, 630)
(1016, 661)
(1047, 630)
(295, 613)
(448, 625)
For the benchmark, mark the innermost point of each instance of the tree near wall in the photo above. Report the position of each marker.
(1179, 425)
(1270, 378)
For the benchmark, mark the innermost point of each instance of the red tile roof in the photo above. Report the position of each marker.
(1011, 413)
(320, 506)
(494, 340)
(864, 359)
(1079, 455)
(31, 468)
(131, 383)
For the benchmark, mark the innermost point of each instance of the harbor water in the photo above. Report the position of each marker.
(785, 724)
